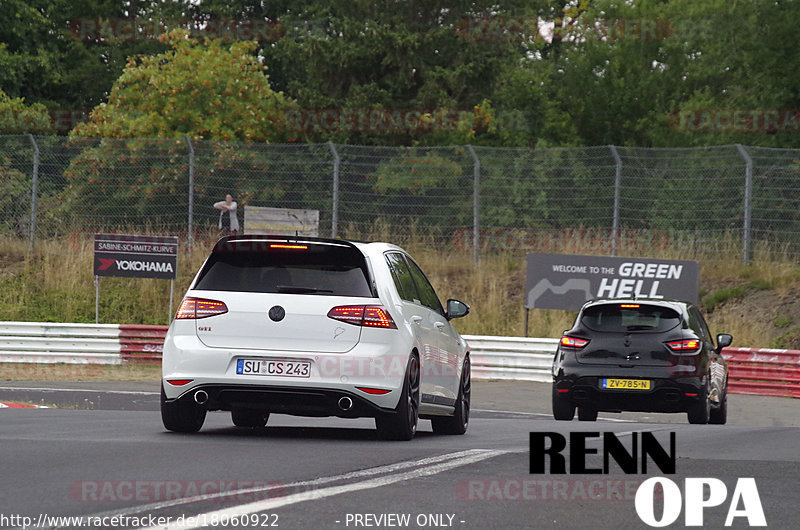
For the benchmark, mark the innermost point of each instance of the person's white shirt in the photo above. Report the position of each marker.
(224, 206)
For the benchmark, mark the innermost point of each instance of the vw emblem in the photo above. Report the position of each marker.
(276, 313)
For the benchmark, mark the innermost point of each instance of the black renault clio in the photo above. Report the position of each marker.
(640, 355)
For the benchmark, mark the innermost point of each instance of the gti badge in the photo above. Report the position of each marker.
(276, 313)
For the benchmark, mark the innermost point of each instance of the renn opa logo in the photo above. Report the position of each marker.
(698, 493)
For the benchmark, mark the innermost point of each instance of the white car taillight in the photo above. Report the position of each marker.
(193, 308)
(373, 316)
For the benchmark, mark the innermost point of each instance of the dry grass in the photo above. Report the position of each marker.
(79, 372)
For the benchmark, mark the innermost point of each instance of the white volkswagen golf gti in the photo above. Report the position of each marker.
(315, 327)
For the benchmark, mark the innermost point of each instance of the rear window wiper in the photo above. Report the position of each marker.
(298, 289)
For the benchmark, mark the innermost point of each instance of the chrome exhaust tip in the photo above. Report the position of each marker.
(200, 397)
(345, 403)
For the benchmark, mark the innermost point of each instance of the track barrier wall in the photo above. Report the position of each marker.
(766, 372)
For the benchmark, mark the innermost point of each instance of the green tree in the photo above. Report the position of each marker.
(621, 73)
(18, 118)
(51, 51)
(734, 56)
(137, 172)
(205, 91)
(432, 56)
(15, 196)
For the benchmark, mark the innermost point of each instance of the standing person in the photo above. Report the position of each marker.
(228, 222)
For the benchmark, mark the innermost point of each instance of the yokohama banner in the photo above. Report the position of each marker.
(133, 256)
(563, 281)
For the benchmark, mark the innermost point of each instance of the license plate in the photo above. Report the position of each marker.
(278, 368)
(625, 384)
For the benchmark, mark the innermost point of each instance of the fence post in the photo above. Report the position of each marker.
(476, 197)
(617, 191)
(34, 190)
(335, 205)
(190, 234)
(748, 197)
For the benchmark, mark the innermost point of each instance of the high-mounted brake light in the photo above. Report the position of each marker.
(193, 308)
(572, 342)
(372, 316)
(684, 345)
(289, 247)
(629, 306)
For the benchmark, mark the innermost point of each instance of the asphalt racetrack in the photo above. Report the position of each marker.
(103, 458)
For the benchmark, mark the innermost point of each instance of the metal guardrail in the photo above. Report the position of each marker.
(52, 329)
(44, 342)
(511, 358)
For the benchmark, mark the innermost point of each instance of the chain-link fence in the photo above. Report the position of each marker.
(726, 201)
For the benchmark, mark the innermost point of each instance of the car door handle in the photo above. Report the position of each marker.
(416, 319)
(439, 325)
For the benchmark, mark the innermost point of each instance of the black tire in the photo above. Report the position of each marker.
(249, 418)
(402, 425)
(587, 414)
(700, 411)
(459, 421)
(181, 415)
(563, 409)
(719, 414)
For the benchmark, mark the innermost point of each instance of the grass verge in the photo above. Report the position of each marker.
(79, 372)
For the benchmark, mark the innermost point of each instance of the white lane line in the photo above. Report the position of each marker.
(389, 468)
(81, 390)
(513, 412)
(271, 504)
(619, 420)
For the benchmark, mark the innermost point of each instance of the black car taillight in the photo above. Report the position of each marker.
(684, 346)
(573, 342)
(194, 308)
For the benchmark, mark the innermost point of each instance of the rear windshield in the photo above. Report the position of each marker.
(630, 318)
(327, 270)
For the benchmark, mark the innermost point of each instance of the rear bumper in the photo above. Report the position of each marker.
(665, 395)
(316, 402)
(368, 365)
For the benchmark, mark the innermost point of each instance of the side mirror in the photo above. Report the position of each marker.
(456, 309)
(723, 340)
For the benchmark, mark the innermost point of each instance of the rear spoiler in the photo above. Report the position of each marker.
(260, 243)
